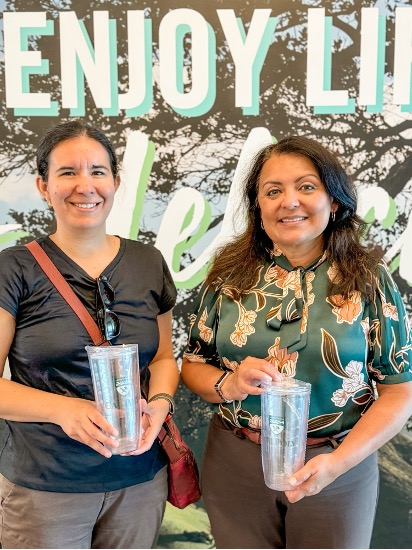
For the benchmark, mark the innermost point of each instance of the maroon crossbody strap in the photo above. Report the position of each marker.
(67, 292)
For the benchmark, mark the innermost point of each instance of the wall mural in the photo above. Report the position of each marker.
(188, 91)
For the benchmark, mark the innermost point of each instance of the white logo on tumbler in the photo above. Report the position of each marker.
(123, 386)
(276, 424)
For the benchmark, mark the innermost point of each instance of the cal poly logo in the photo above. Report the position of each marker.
(123, 386)
(276, 424)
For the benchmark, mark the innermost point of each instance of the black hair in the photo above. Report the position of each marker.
(70, 130)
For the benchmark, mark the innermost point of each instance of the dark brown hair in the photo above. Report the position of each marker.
(70, 130)
(237, 262)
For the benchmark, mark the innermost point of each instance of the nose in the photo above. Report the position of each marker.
(290, 199)
(84, 185)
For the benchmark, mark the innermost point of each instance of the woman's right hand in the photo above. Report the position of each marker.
(247, 378)
(81, 421)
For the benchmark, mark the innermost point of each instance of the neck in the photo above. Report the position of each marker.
(82, 245)
(297, 256)
(92, 254)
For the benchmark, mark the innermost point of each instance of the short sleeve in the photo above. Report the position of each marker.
(11, 281)
(389, 333)
(203, 326)
(169, 293)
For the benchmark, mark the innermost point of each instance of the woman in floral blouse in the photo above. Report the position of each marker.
(296, 295)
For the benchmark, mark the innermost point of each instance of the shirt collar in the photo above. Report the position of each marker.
(280, 259)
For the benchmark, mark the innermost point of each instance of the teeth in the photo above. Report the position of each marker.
(297, 219)
(85, 205)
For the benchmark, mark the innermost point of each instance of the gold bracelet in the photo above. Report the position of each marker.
(165, 396)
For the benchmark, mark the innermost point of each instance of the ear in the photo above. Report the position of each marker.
(334, 206)
(117, 181)
(42, 188)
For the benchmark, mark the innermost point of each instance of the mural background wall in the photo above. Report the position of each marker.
(188, 91)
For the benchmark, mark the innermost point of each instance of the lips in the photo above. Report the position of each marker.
(294, 219)
(86, 205)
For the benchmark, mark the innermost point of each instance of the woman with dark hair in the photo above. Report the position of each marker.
(297, 295)
(60, 484)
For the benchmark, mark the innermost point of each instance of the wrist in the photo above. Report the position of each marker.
(54, 408)
(220, 384)
(164, 397)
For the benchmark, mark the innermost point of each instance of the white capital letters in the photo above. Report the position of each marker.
(316, 94)
(76, 48)
(139, 80)
(368, 70)
(169, 70)
(16, 59)
(246, 50)
(403, 57)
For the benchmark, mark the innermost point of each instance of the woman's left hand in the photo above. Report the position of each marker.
(316, 474)
(154, 415)
(384, 418)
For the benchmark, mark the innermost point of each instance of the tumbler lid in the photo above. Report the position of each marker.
(287, 385)
(111, 352)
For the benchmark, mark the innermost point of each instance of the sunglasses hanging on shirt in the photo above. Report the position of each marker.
(107, 320)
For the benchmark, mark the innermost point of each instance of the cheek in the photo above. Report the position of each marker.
(267, 209)
(57, 190)
(106, 189)
(323, 213)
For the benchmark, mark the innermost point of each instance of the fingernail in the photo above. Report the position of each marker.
(293, 480)
(267, 378)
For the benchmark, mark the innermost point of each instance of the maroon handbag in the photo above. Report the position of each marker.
(183, 472)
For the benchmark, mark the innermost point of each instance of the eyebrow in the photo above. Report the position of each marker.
(297, 180)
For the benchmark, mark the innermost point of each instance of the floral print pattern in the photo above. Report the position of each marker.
(337, 345)
(346, 310)
(206, 333)
(243, 327)
(285, 362)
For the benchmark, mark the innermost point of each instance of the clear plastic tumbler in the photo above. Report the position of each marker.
(116, 383)
(285, 409)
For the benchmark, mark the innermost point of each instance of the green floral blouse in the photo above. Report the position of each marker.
(288, 320)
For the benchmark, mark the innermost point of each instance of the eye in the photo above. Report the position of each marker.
(307, 186)
(273, 192)
(99, 172)
(67, 173)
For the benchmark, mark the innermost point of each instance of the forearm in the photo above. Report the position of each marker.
(384, 419)
(164, 374)
(201, 378)
(245, 380)
(164, 377)
(24, 404)
(78, 418)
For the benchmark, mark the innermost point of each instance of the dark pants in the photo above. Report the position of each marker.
(244, 513)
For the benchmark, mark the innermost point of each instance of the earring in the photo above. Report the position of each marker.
(49, 204)
(261, 225)
(333, 216)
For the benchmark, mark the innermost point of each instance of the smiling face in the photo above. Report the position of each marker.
(295, 207)
(80, 186)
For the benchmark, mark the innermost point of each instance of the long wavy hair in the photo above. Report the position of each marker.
(237, 262)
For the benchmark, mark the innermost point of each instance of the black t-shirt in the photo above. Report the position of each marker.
(48, 353)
